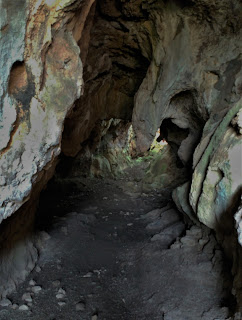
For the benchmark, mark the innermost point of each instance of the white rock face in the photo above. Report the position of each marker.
(41, 76)
(34, 106)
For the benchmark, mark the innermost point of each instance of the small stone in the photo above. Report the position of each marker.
(105, 198)
(61, 303)
(60, 296)
(80, 306)
(61, 291)
(32, 283)
(5, 302)
(94, 317)
(14, 306)
(88, 275)
(129, 224)
(56, 283)
(30, 304)
(37, 269)
(36, 289)
(27, 297)
(23, 307)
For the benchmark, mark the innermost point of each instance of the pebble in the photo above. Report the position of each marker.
(27, 297)
(61, 291)
(80, 306)
(56, 283)
(32, 283)
(15, 306)
(37, 269)
(105, 198)
(60, 296)
(88, 275)
(23, 307)
(129, 224)
(94, 317)
(36, 289)
(5, 302)
(61, 303)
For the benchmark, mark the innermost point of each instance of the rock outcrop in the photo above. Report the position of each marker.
(41, 77)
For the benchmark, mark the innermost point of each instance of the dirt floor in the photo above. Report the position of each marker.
(109, 251)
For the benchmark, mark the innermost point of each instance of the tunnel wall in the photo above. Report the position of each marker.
(67, 64)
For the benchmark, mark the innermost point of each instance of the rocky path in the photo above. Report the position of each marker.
(110, 254)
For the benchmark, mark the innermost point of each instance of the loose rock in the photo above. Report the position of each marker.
(23, 307)
(32, 283)
(36, 289)
(80, 306)
(5, 302)
(27, 297)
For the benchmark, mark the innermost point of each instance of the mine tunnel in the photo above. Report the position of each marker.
(120, 160)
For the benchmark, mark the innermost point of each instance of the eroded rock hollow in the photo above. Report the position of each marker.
(90, 84)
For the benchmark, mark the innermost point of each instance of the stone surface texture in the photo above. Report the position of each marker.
(66, 65)
(41, 77)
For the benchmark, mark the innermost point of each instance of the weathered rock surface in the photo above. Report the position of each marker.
(40, 77)
(68, 65)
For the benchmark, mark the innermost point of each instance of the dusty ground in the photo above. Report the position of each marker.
(111, 252)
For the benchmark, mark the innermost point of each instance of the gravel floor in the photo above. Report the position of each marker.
(109, 252)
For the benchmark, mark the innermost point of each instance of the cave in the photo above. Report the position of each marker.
(120, 160)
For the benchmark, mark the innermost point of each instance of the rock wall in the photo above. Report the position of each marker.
(173, 65)
(41, 77)
(196, 85)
